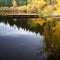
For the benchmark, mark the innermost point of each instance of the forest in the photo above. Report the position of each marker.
(41, 7)
(9, 2)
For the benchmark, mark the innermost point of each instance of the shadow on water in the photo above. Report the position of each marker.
(48, 28)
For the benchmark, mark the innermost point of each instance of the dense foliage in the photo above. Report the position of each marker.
(41, 7)
(9, 2)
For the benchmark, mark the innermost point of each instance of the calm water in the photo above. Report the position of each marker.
(29, 39)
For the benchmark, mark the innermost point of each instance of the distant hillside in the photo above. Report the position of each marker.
(9, 2)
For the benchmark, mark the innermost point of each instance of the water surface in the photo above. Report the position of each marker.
(29, 39)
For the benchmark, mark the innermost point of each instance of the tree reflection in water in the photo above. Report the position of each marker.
(48, 27)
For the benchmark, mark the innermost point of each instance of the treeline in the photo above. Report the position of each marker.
(4, 3)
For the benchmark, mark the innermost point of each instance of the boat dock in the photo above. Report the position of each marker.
(23, 15)
(29, 16)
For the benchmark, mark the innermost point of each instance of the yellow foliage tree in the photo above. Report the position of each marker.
(57, 6)
(14, 3)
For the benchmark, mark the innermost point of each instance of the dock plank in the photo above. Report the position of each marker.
(30, 16)
(23, 15)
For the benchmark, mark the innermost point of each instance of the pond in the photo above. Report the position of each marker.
(29, 38)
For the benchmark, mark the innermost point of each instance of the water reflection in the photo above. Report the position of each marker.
(40, 37)
(12, 31)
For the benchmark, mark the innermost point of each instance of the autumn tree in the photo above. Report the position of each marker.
(50, 1)
(14, 3)
(14, 6)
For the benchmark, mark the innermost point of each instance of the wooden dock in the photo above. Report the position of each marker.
(30, 16)
(23, 15)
